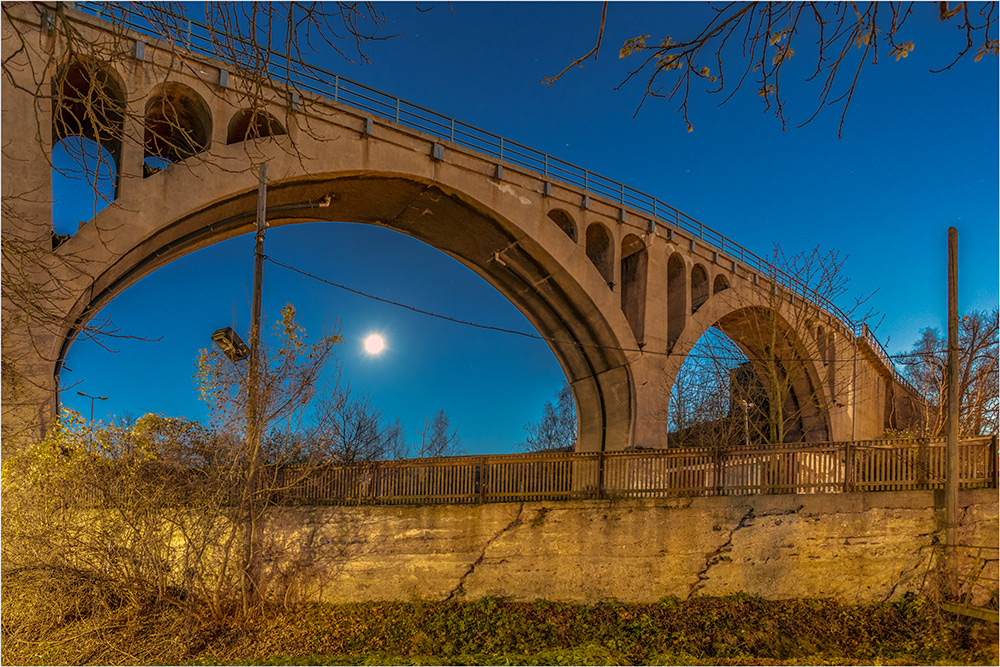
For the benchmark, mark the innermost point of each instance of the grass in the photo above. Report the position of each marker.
(737, 629)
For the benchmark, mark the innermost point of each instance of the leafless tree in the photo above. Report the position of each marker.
(756, 41)
(350, 429)
(438, 438)
(710, 401)
(556, 430)
(978, 370)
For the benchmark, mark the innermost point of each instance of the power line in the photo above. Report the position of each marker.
(535, 336)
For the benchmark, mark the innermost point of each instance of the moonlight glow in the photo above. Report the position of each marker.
(374, 344)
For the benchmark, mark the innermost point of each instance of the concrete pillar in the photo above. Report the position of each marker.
(656, 296)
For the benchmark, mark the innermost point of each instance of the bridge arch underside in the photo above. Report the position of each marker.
(785, 372)
(584, 343)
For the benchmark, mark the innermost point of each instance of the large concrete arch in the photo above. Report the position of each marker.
(530, 275)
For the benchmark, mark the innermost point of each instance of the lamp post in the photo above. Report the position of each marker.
(231, 345)
(92, 399)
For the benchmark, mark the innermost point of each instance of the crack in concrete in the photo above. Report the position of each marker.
(716, 556)
(912, 571)
(781, 512)
(461, 580)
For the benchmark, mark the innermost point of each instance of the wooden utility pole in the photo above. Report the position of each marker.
(251, 555)
(951, 470)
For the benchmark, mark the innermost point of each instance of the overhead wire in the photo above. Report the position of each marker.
(533, 336)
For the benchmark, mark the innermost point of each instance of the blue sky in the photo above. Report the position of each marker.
(919, 153)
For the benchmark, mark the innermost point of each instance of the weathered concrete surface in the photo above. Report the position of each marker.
(851, 547)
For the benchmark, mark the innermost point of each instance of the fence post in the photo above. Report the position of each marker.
(923, 464)
(481, 479)
(373, 482)
(718, 470)
(848, 467)
(600, 474)
(993, 461)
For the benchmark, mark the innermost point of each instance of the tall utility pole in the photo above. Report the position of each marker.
(951, 470)
(251, 556)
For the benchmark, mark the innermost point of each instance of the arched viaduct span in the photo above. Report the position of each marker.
(622, 293)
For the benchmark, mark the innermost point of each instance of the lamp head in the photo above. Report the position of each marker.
(231, 344)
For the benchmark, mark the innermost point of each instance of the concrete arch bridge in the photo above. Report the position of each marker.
(620, 283)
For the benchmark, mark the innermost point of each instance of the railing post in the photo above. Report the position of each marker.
(397, 109)
(336, 87)
(453, 130)
(501, 148)
(718, 470)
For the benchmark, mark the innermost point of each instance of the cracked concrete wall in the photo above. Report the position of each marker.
(852, 547)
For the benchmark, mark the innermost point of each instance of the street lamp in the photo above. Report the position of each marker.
(92, 399)
(231, 344)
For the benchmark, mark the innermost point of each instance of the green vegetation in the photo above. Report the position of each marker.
(737, 629)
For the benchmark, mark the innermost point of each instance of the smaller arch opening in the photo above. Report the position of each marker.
(178, 126)
(699, 287)
(600, 251)
(87, 125)
(676, 297)
(633, 278)
(252, 124)
(721, 283)
(831, 365)
(84, 181)
(821, 343)
(565, 222)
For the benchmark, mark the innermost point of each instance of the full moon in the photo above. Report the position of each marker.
(374, 344)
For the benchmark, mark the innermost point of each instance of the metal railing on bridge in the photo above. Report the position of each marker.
(828, 467)
(298, 75)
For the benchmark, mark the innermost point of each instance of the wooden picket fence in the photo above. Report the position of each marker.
(826, 467)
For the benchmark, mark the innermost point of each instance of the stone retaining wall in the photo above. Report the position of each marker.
(854, 547)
